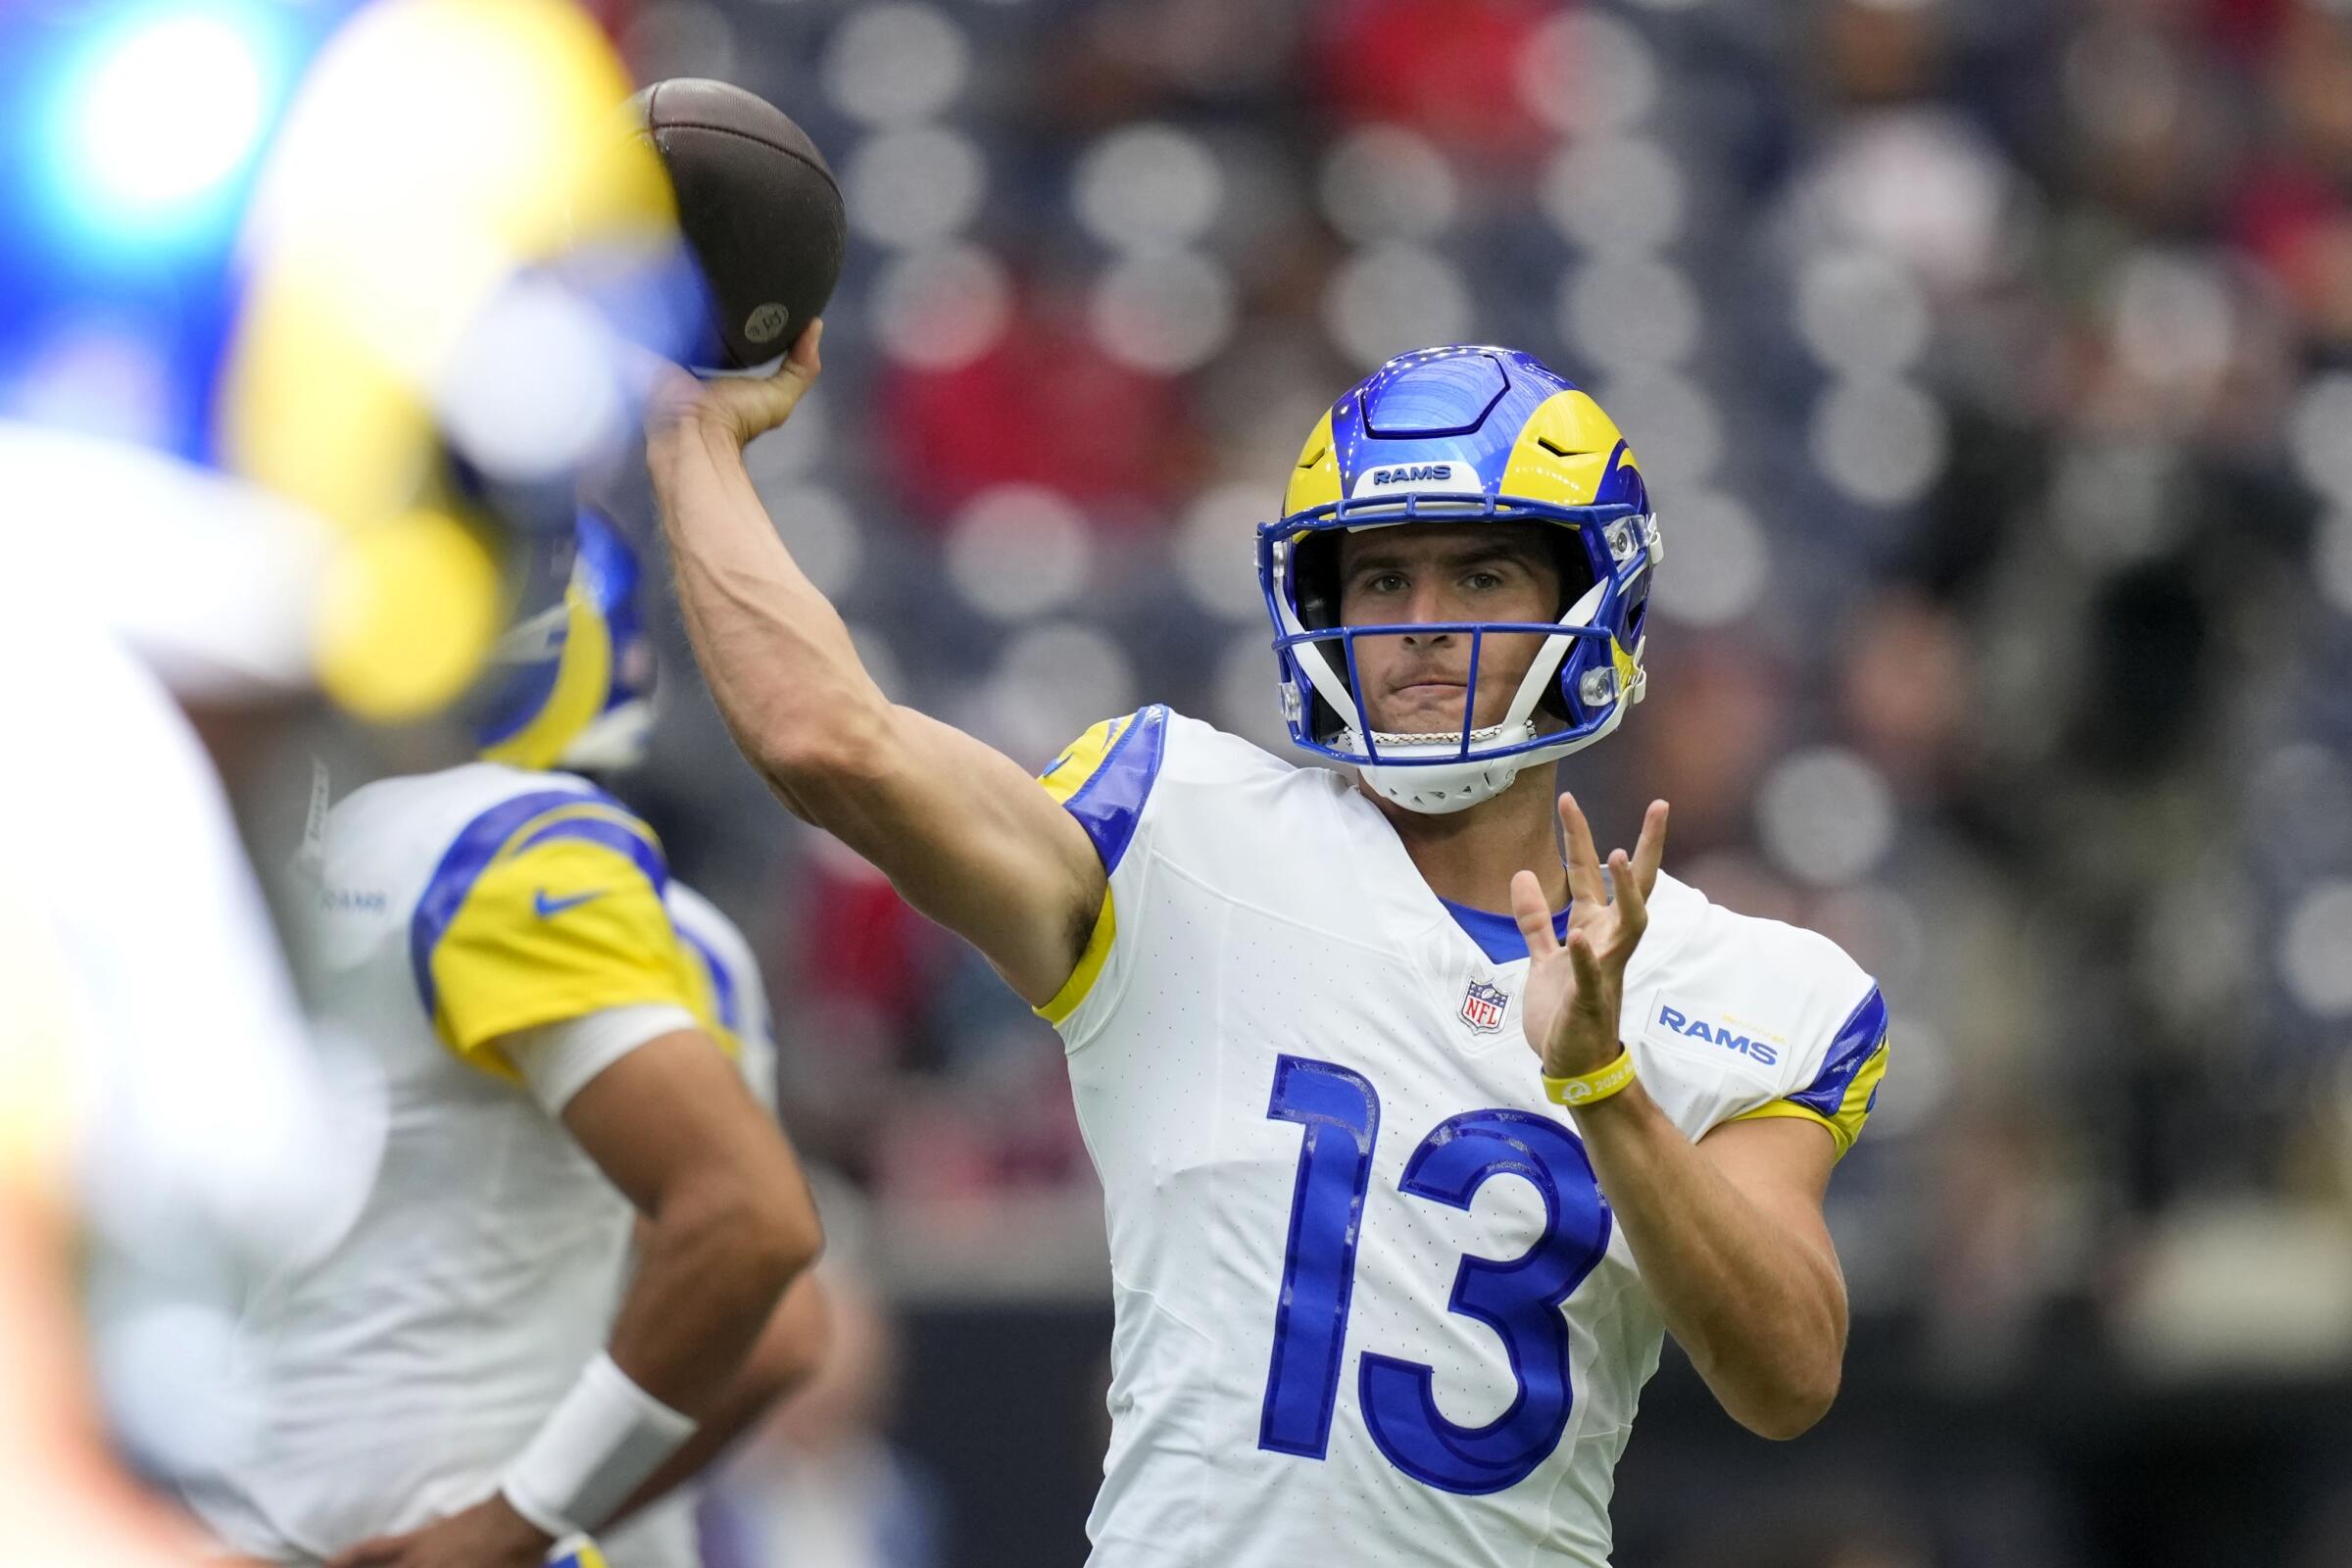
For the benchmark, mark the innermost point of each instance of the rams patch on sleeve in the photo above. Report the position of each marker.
(1699, 1023)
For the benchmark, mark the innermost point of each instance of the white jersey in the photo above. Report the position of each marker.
(393, 1380)
(1371, 1304)
(156, 1069)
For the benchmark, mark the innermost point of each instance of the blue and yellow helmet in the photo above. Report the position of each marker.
(1448, 435)
(574, 678)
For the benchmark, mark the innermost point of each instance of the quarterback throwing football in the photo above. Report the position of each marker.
(1387, 1291)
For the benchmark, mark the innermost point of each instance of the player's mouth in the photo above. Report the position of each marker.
(1425, 704)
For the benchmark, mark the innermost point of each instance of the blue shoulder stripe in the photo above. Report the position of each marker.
(1108, 800)
(612, 836)
(478, 843)
(722, 980)
(1858, 1039)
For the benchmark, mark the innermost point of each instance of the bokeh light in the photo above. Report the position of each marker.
(1615, 195)
(895, 63)
(941, 308)
(409, 609)
(1825, 815)
(817, 526)
(2313, 956)
(2173, 320)
(1381, 182)
(532, 390)
(173, 108)
(1586, 72)
(1861, 311)
(792, 450)
(1054, 680)
(1148, 187)
(1394, 297)
(2319, 433)
(1671, 421)
(1881, 440)
(1016, 549)
(917, 185)
(1719, 562)
(1163, 313)
(1216, 550)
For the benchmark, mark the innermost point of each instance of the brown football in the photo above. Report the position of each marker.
(757, 206)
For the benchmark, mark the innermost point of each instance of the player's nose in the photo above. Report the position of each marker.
(1427, 604)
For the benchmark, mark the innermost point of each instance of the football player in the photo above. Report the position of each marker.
(1386, 1290)
(162, 1129)
(566, 1044)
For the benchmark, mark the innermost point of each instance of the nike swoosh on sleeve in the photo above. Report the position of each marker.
(549, 907)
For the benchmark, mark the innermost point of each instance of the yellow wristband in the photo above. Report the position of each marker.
(1592, 1087)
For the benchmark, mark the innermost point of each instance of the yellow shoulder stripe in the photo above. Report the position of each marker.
(1082, 979)
(1082, 758)
(1854, 1110)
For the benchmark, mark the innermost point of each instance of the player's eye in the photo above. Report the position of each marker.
(1385, 582)
(1483, 581)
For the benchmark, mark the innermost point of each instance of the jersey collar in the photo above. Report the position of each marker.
(1497, 935)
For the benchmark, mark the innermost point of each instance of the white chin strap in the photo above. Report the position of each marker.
(1438, 788)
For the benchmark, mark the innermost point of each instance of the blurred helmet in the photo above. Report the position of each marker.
(1443, 437)
(278, 272)
(571, 683)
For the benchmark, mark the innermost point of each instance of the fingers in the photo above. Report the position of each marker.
(1633, 908)
(1533, 914)
(745, 407)
(803, 354)
(760, 406)
(1583, 862)
(1650, 851)
(1587, 963)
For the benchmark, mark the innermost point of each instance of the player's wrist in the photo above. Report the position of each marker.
(511, 1536)
(1582, 1053)
(1590, 1085)
(594, 1450)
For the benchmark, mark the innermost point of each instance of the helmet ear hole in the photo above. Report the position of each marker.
(1575, 564)
(1315, 584)
(1316, 579)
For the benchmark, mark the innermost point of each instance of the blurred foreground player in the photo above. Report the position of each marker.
(161, 1125)
(1385, 1293)
(564, 1036)
(212, 195)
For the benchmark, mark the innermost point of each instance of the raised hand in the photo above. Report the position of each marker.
(1575, 990)
(736, 406)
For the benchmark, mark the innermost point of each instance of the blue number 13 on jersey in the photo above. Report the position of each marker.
(1518, 1297)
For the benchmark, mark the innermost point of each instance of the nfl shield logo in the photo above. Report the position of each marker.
(1482, 1006)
